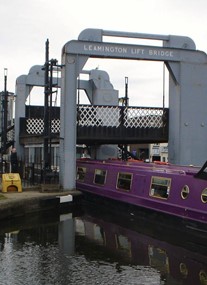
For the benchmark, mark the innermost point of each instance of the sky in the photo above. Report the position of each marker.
(26, 25)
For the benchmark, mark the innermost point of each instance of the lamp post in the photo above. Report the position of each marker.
(5, 110)
(4, 118)
(48, 92)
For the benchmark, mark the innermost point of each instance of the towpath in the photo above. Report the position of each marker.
(33, 200)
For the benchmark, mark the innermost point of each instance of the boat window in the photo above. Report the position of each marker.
(204, 196)
(160, 187)
(185, 192)
(100, 176)
(81, 172)
(123, 244)
(183, 269)
(124, 181)
(203, 277)
(99, 235)
(79, 226)
(158, 258)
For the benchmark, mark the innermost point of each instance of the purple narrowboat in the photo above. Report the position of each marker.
(172, 190)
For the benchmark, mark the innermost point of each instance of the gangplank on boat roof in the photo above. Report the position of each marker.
(178, 191)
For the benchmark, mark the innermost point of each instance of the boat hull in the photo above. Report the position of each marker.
(161, 224)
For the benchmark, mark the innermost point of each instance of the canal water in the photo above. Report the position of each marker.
(87, 249)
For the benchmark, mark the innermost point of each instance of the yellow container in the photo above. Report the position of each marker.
(11, 182)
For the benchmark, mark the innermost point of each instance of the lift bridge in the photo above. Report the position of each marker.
(187, 122)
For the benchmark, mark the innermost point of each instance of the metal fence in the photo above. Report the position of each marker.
(34, 174)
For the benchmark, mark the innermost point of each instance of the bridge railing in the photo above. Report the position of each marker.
(108, 124)
(114, 116)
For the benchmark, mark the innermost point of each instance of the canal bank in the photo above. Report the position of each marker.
(32, 200)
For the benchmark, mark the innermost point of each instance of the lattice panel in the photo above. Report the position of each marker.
(10, 135)
(55, 126)
(143, 118)
(98, 116)
(34, 126)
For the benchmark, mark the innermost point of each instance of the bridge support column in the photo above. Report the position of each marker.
(22, 92)
(188, 117)
(72, 65)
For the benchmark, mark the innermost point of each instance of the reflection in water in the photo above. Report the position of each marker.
(89, 250)
(161, 261)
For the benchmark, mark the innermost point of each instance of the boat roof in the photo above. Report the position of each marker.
(153, 166)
